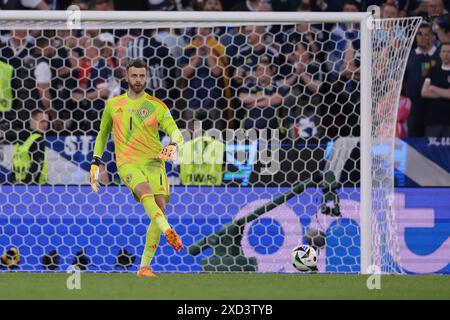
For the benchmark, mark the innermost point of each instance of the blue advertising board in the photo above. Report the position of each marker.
(69, 219)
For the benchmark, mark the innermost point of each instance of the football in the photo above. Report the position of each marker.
(304, 258)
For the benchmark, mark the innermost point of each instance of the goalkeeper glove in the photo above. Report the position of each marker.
(95, 164)
(169, 153)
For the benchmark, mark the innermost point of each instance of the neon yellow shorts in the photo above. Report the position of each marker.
(154, 173)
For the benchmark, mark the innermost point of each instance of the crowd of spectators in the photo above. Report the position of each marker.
(228, 77)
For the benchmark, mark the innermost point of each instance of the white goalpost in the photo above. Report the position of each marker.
(365, 145)
(384, 46)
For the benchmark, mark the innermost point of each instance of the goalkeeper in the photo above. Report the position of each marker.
(134, 118)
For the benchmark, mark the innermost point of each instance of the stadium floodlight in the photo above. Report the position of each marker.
(361, 118)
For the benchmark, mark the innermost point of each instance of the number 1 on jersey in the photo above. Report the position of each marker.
(131, 123)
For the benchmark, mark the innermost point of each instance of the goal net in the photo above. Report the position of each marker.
(299, 108)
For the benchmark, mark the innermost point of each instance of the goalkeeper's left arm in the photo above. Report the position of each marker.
(99, 148)
(169, 126)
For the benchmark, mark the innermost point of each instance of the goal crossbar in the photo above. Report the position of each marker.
(13, 19)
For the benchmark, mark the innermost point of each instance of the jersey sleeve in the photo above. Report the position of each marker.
(105, 130)
(168, 125)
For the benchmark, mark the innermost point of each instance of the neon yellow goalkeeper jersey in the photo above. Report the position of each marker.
(135, 125)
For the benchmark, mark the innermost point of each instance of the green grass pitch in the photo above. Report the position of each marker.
(223, 286)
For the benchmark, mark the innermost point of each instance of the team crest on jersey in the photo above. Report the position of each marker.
(143, 113)
(128, 178)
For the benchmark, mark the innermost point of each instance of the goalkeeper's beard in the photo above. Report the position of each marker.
(137, 89)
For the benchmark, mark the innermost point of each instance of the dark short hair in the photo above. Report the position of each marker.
(42, 42)
(137, 63)
(95, 2)
(35, 112)
(425, 25)
(389, 5)
(353, 3)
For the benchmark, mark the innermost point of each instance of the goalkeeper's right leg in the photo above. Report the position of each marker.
(158, 224)
(137, 180)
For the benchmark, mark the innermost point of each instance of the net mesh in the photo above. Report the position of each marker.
(282, 102)
(391, 42)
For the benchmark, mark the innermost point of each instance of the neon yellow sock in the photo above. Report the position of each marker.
(151, 244)
(154, 212)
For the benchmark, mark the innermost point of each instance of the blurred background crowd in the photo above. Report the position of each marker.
(302, 79)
